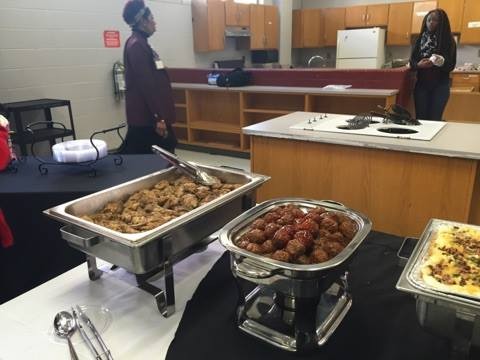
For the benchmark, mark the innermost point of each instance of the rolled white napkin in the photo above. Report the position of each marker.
(437, 60)
(3, 121)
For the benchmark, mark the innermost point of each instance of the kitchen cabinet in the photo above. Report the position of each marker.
(470, 32)
(399, 23)
(420, 9)
(237, 14)
(208, 19)
(313, 28)
(297, 29)
(264, 27)
(454, 10)
(460, 80)
(366, 16)
(334, 20)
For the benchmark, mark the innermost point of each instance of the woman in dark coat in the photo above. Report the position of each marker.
(433, 57)
(149, 99)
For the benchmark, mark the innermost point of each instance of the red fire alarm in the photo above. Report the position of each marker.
(111, 38)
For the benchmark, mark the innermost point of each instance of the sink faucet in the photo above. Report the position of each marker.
(314, 57)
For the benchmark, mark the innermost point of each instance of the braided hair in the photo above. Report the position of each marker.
(443, 32)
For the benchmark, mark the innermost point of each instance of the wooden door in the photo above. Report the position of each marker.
(420, 10)
(399, 23)
(454, 10)
(216, 25)
(200, 25)
(334, 20)
(377, 15)
(312, 28)
(271, 27)
(470, 33)
(257, 27)
(297, 29)
(243, 11)
(231, 13)
(355, 16)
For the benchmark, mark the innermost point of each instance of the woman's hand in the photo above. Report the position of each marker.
(161, 128)
(425, 63)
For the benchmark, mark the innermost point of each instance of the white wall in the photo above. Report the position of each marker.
(54, 49)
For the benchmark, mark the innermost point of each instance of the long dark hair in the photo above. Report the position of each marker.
(446, 43)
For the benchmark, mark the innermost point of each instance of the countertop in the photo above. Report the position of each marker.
(289, 90)
(137, 329)
(454, 140)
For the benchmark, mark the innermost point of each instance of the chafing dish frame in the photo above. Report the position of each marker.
(148, 253)
(445, 314)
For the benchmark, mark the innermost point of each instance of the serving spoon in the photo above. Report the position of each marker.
(64, 326)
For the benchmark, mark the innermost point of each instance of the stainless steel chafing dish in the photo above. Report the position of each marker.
(446, 314)
(157, 249)
(309, 300)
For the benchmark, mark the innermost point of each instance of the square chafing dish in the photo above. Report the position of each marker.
(446, 314)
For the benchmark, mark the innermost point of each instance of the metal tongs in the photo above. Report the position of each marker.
(187, 168)
(78, 315)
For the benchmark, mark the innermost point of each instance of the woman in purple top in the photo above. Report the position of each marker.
(149, 100)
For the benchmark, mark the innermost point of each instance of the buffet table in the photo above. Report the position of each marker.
(24, 194)
(380, 325)
(399, 183)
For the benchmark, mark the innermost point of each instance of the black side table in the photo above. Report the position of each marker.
(22, 138)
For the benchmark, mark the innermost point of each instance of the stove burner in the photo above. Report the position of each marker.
(395, 130)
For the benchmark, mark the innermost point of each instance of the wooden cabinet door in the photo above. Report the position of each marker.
(420, 9)
(312, 28)
(399, 23)
(243, 11)
(216, 25)
(297, 29)
(466, 80)
(454, 10)
(271, 27)
(231, 15)
(334, 20)
(200, 25)
(377, 15)
(355, 16)
(470, 33)
(257, 27)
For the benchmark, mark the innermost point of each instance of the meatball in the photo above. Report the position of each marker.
(303, 259)
(348, 228)
(281, 255)
(336, 236)
(271, 217)
(286, 219)
(318, 255)
(314, 216)
(290, 228)
(333, 248)
(255, 248)
(297, 213)
(242, 244)
(281, 238)
(256, 236)
(270, 230)
(259, 224)
(305, 237)
(330, 214)
(309, 225)
(329, 224)
(267, 246)
(295, 248)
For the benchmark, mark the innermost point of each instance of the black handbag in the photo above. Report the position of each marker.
(236, 77)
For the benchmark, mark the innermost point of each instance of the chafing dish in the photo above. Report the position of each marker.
(157, 249)
(445, 314)
(294, 307)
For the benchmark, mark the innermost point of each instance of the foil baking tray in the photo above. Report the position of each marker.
(143, 251)
(237, 227)
(411, 280)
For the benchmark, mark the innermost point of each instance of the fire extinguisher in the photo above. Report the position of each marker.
(119, 87)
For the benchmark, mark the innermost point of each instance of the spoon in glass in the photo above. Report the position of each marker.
(64, 326)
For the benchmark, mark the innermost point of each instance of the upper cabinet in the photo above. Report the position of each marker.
(470, 32)
(208, 18)
(399, 23)
(297, 29)
(312, 28)
(264, 25)
(237, 14)
(334, 20)
(420, 9)
(363, 16)
(454, 10)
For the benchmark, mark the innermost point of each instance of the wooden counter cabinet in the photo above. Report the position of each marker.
(366, 16)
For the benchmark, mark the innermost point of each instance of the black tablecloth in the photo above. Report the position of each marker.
(380, 325)
(39, 253)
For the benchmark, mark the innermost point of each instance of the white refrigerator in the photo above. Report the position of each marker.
(361, 48)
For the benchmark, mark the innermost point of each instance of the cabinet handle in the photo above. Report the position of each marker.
(363, 17)
(407, 35)
(368, 17)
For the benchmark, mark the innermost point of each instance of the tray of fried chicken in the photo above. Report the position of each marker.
(297, 233)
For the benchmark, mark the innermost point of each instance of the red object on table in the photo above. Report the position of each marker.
(6, 236)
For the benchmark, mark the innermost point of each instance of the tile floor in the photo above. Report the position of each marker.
(214, 160)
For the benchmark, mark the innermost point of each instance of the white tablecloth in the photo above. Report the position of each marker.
(137, 330)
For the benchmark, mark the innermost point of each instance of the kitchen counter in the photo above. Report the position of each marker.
(399, 183)
(446, 143)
